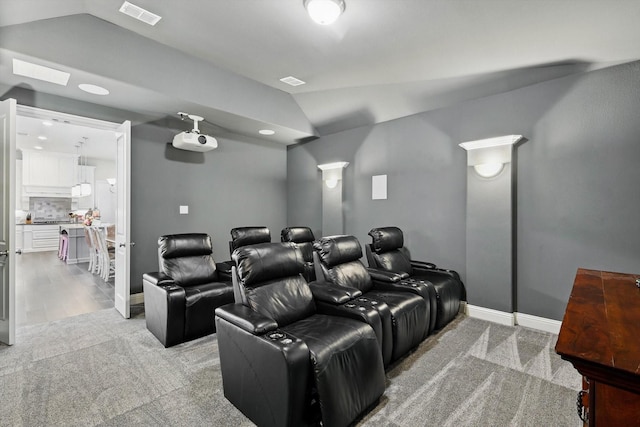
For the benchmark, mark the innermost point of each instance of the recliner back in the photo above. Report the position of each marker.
(303, 236)
(387, 250)
(187, 258)
(339, 260)
(244, 236)
(270, 281)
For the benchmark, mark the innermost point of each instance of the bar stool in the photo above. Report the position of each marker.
(63, 246)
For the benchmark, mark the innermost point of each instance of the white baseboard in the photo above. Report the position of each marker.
(491, 315)
(136, 298)
(539, 323)
(512, 319)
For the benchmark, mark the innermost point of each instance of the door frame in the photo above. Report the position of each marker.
(122, 281)
(8, 145)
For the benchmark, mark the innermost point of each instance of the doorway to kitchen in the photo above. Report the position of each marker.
(66, 169)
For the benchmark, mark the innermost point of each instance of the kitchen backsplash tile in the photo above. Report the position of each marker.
(49, 208)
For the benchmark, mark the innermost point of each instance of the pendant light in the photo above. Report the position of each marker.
(76, 189)
(85, 186)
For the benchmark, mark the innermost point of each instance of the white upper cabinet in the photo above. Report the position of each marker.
(48, 173)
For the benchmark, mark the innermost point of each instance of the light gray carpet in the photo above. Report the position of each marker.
(99, 369)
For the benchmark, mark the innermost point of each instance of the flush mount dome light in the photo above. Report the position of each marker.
(324, 12)
(266, 132)
(93, 89)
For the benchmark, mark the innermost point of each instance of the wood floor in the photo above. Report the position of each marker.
(48, 289)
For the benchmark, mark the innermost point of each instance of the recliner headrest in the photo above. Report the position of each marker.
(182, 245)
(386, 239)
(267, 261)
(297, 234)
(244, 236)
(334, 250)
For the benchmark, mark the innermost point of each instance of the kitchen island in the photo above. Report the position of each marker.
(78, 249)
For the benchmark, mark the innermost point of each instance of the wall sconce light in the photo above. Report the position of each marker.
(112, 184)
(324, 12)
(332, 173)
(489, 170)
(488, 156)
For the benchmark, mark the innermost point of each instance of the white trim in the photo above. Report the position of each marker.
(512, 319)
(490, 142)
(491, 315)
(539, 323)
(137, 298)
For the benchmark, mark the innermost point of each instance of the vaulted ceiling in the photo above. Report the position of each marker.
(383, 59)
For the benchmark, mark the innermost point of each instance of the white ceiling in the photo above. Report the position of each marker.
(65, 137)
(381, 60)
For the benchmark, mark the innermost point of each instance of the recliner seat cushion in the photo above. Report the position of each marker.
(409, 312)
(201, 302)
(339, 347)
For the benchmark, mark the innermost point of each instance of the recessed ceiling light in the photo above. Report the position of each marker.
(40, 72)
(290, 80)
(47, 123)
(93, 89)
(37, 147)
(266, 132)
(42, 138)
(139, 13)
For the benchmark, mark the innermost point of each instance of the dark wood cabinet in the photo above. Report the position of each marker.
(600, 336)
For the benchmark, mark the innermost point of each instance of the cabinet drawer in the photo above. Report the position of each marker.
(45, 243)
(45, 235)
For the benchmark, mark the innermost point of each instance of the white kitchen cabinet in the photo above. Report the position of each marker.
(46, 173)
(40, 237)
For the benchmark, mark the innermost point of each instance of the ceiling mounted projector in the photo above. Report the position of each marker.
(193, 140)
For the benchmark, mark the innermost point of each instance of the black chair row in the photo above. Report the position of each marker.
(294, 351)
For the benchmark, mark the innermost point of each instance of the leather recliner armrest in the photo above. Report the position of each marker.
(165, 305)
(422, 264)
(329, 293)
(246, 319)
(386, 276)
(157, 278)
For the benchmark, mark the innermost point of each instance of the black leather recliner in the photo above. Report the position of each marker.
(303, 236)
(244, 236)
(282, 362)
(180, 299)
(337, 260)
(387, 252)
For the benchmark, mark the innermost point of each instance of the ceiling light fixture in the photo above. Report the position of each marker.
(40, 72)
(266, 132)
(324, 12)
(93, 89)
(37, 147)
(139, 13)
(42, 138)
(47, 123)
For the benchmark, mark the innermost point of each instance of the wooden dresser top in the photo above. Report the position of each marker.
(601, 325)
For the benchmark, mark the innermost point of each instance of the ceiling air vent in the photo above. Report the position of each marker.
(139, 13)
(292, 81)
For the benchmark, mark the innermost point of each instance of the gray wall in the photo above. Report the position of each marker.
(578, 175)
(242, 182)
(238, 184)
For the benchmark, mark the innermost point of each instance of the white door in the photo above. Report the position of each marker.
(8, 229)
(123, 228)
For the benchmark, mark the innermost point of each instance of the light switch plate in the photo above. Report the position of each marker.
(184, 210)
